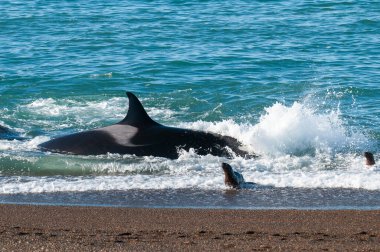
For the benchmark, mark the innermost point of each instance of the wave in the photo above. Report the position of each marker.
(299, 147)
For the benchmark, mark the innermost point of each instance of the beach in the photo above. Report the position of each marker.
(68, 228)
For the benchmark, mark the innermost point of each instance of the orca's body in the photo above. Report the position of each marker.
(139, 135)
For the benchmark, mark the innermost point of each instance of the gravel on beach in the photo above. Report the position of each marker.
(68, 228)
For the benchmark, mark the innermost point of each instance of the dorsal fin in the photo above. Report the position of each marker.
(137, 115)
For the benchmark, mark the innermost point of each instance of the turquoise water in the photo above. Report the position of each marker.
(296, 81)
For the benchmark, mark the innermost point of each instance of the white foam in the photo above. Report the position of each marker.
(56, 114)
(297, 129)
(201, 176)
(76, 108)
(107, 75)
(286, 130)
(20, 145)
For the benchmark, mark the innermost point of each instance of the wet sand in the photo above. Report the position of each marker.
(55, 228)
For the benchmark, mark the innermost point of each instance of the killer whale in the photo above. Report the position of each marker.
(139, 135)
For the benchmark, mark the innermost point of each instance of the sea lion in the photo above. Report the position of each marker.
(234, 179)
(370, 160)
(8, 134)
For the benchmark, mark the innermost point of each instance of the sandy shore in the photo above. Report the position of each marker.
(49, 228)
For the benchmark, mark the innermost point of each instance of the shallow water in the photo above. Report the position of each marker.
(295, 82)
(258, 198)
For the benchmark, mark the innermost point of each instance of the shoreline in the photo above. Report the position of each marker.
(258, 199)
(32, 227)
(325, 209)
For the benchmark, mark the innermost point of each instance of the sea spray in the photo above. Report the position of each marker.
(298, 130)
(294, 130)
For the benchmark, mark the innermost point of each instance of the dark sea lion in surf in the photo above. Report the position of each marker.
(8, 134)
(370, 160)
(139, 135)
(3, 129)
(234, 179)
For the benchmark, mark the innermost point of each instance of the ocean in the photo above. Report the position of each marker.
(297, 82)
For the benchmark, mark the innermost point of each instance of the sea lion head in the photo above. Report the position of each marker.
(370, 160)
(231, 177)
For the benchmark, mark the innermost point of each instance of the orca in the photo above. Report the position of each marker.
(139, 135)
(235, 180)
